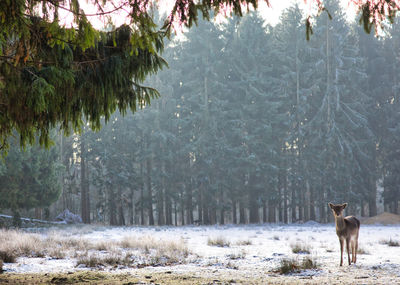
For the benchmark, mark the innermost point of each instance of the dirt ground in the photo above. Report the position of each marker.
(345, 275)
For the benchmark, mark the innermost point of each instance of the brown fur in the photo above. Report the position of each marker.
(347, 229)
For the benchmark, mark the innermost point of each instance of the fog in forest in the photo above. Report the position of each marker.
(255, 124)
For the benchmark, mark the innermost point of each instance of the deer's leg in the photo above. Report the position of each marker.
(341, 250)
(355, 254)
(353, 250)
(348, 249)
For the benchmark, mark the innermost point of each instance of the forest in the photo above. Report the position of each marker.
(254, 124)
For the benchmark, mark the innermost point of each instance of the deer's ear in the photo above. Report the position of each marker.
(330, 205)
(344, 205)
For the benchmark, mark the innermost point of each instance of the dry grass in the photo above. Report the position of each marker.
(97, 260)
(66, 242)
(237, 255)
(244, 242)
(362, 250)
(390, 242)
(218, 241)
(300, 248)
(7, 256)
(15, 243)
(104, 246)
(157, 251)
(294, 266)
(57, 253)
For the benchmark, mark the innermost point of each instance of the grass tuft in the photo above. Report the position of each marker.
(158, 251)
(362, 250)
(218, 241)
(294, 266)
(15, 243)
(237, 255)
(390, 242)
(300, 248)
(97, 260)
(244, 242)
(7, 256)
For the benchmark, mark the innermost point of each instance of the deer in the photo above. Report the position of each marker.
(347, 229)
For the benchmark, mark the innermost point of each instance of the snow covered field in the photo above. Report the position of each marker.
(252, 252)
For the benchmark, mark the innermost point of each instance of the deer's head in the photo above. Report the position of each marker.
(337, 209)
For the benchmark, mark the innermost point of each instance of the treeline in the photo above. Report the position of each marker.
(255, 124)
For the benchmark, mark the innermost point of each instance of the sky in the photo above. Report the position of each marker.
(271, 14)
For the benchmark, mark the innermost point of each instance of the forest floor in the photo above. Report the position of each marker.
(230, 254)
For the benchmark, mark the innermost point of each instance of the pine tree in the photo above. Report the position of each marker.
(337, 124)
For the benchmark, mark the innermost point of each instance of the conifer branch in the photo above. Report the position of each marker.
(89, 15)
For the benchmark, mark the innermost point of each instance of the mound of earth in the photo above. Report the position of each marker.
(384, 219)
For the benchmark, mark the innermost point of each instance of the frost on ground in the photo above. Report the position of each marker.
(254, 253)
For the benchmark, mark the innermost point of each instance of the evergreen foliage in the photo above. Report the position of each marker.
(256, 124)
(53, 75)
(29, 178)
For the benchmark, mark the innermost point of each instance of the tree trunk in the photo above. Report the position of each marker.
(372, 197)
(234, 211)
(254, 216)
(271, 211)
(142, 198)
(242, 216)
(322, 207)
(189, 205)
(121, 218)
(293, 204)
(301, 206)
(265, 212)
(362, 206)
(221, 207)
(307, 202)
(176, 213)
(160, 207)
(312, 204)
(112, 207)
(84, 196)
(285, 198)
(200, 204)
(168, 208)
(130, 207)
(149, 193)
(87, 193)
(38, 213)
(182, 207)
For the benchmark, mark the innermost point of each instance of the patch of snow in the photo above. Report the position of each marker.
(255, 250)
